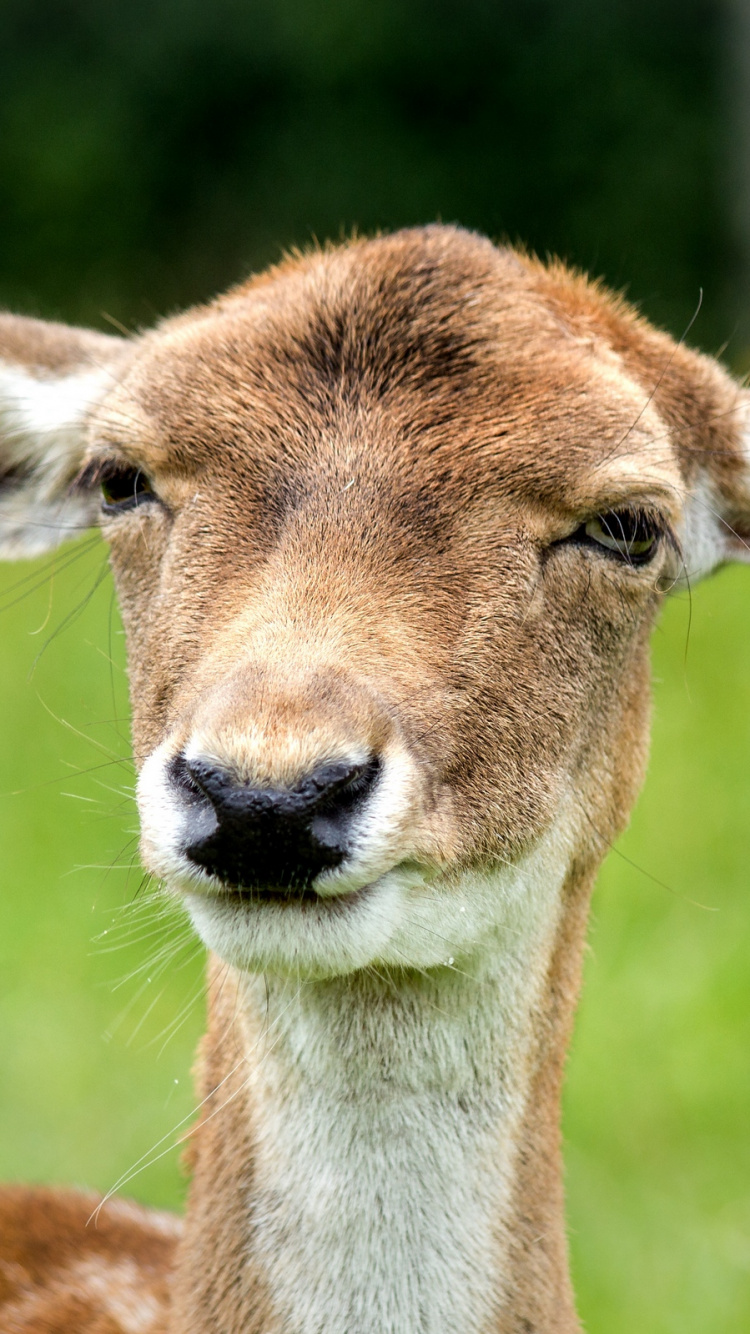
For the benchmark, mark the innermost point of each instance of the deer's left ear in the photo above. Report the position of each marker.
(733, 486)
(712, 433)
(51, 376)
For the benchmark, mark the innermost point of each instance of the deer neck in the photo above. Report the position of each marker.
(380, 1154)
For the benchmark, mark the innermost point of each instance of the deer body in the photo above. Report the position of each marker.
(390, 526)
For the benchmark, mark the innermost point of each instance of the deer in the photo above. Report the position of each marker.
(390, 525)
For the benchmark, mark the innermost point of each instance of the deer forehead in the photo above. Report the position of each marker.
(289, 405)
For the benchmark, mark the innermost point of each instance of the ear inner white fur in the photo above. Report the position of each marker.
(42, 437)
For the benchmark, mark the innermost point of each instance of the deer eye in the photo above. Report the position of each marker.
(631, 535)
(124, 489)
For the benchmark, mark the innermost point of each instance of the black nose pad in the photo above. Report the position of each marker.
(272, 838)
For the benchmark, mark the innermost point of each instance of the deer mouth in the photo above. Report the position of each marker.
(242, 898)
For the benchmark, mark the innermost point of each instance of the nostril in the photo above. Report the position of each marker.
(338, 787)
(201, 781)
(342, 788)
(181, 775)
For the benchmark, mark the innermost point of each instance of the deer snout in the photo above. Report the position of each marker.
(301, 790)
(277, 839)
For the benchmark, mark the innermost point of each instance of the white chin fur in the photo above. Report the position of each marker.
(328, 939)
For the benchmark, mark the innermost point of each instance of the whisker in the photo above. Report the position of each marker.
(147, 1161)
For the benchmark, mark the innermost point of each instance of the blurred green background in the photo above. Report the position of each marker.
(151, 153)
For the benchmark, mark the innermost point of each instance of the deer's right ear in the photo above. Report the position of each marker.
(51, 377)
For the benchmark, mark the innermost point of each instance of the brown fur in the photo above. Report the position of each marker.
(50, 1250)
(54, 349)
(369, 460)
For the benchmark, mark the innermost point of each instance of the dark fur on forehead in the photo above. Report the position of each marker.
(405, 326)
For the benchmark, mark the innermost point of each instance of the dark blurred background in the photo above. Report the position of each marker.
(151, 152)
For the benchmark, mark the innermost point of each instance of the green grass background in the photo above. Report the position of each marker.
(658, 1095)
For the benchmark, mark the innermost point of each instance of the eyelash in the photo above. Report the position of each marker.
(123, 487)
(632, 536)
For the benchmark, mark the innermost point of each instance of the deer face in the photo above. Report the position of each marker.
(389, 528)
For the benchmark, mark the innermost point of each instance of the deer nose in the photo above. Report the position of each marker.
(273, 838)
